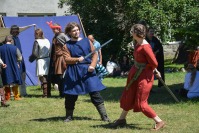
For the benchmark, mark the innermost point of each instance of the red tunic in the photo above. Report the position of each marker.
(137, 95)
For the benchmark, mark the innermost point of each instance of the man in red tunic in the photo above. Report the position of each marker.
(135, 96)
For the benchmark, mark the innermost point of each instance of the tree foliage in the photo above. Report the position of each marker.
(172, 19)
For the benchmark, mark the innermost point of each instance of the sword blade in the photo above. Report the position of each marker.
(88, 55)
(167, 88)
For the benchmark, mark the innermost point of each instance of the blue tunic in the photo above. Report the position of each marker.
(10, 74)
(77, 79)
(17, 43)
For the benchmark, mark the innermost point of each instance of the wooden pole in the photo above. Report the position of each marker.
(81, 25)
(1, 22)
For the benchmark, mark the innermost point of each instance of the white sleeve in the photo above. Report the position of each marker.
(115, 65)
(1, 62)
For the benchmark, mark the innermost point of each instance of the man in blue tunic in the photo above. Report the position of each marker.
(14, 31)
(11, 75)
(80, 77)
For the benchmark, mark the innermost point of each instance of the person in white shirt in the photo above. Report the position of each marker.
(191, 83)
(113, 68)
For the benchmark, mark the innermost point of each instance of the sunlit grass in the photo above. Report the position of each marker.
(34, 114)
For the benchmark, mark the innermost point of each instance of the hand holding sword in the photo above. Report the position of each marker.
(82, 58)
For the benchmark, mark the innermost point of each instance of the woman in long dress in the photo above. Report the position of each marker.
(135, 96)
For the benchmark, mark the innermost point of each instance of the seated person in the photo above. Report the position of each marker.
(191, 84)
(125, 65)
(112, 67)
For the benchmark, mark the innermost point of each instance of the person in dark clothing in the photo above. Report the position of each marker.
(124, 65)
(158, 51)
(57, 63)
(80, 76)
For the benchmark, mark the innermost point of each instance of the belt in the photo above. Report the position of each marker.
(43, 57)
(139, 65)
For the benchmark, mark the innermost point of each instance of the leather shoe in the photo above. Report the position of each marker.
(118, 123)
(159, 125)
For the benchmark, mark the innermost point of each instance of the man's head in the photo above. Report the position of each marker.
(56, 28)
(91, 38)
(150, 32)
(72, 30)
(14, 30)
(39, 34)
(8, 39)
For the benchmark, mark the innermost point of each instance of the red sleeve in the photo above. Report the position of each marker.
(151, 59)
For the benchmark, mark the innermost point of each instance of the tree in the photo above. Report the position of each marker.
(113, 19)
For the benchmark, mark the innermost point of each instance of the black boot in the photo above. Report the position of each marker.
(102, 111)
(118, 123)
(69, 115)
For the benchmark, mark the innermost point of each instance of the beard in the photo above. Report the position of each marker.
(75, 37)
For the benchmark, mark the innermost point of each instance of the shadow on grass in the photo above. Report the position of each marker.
(60, 118)
(127, 126)
(157, 96)
(40, 96)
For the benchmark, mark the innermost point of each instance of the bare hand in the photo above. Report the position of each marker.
(91, 69)
(4, 65)
(81, 59)
(157, 73)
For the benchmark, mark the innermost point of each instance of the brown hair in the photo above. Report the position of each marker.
(8, 39)
(39, 34)
(70, 26)
(191, 68)
(139, 30)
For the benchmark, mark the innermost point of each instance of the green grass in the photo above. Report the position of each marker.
(168, 64)
(45, 115)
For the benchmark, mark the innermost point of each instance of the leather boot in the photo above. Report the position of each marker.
(69, 115)
(15, 90)
(3, 100)
(7, 93)
(45, 87)
(102, 111)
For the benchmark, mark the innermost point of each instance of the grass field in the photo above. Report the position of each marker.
(34, 114)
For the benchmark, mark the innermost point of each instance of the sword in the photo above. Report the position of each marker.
(167, 88)
(88, 55)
